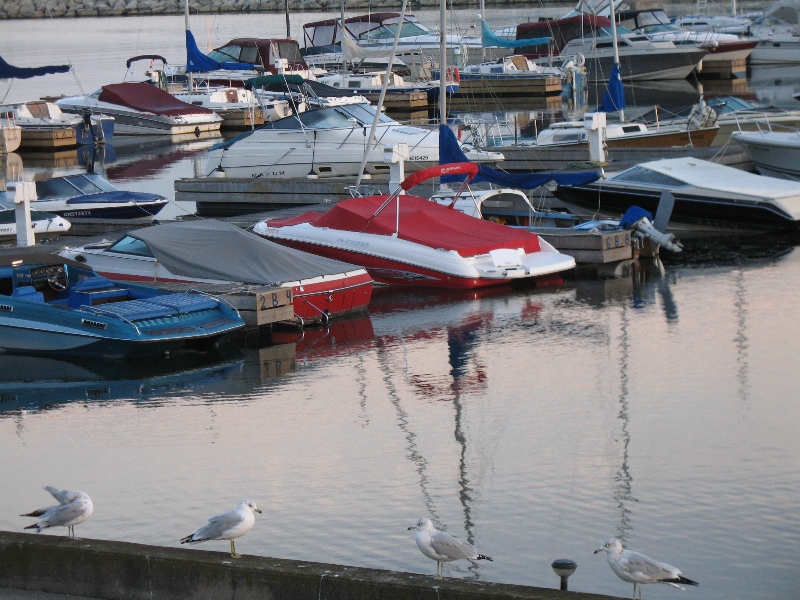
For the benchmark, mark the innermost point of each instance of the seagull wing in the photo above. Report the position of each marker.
(64, 515)
(445, 545)
(217, 527)
(40, 511)
(63, 496)
(646, 570)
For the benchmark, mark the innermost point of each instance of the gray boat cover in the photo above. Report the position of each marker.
(209, 249)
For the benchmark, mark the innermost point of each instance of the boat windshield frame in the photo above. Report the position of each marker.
(640, 175)
(331, 117)
(387, 32)
(130, 246)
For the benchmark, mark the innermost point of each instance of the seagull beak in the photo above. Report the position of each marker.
(258, 510)
(598, 550)
(410, 528)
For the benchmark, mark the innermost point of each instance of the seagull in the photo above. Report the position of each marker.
(227, 526)
(73, 508)
(637, 568)
(442, 547)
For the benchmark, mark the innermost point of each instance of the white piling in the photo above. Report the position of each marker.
(396, 157)
(23, 196)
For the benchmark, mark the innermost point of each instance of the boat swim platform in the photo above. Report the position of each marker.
(114, 570)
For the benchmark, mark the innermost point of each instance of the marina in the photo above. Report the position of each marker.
(646, 399)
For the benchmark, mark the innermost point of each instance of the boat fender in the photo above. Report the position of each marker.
(453, 74)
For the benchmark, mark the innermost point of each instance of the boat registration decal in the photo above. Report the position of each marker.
(352, 242)
(78, 213)
(95, 324)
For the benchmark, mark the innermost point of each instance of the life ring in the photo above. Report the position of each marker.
(453, 74)
(580, 60)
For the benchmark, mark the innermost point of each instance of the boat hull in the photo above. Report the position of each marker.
(772, 157)
(698, 210)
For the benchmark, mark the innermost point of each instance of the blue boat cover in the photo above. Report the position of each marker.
(490, 39)
(450, 152)
(117, 197)
(184, 303)
(196, 61)
(633, 215)
(614, 98)
(8, 71)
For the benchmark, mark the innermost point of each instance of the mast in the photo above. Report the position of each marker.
(443, 62)
(616, 47)
(186, 21)
(288, 27)
(341, 32)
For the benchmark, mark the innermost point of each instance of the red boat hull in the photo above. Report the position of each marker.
(392, 272)
(330, 298)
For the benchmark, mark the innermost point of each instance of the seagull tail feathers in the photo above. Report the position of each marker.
(685, 581)
(34, 526)
(482, 557)
(36, 513)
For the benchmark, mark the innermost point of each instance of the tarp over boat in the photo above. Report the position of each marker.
(147, 98)
(211, 249)
(421, 221)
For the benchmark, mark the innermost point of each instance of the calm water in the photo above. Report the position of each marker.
(660, 405)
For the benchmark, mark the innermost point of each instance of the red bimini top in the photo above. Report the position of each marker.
(148, 98)
(421, 221)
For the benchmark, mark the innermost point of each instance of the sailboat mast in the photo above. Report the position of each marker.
(186, 21)
(616, 47)
(288, 26)
(443, 62)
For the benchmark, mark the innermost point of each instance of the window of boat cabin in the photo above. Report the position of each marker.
(648, 177)
(55, 188)
(131, 245)
(86, 185)
(388, 31)
(288, 50)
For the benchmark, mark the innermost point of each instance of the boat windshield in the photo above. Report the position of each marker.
(648, 177)
(729, 104)
(388, 31)
(648, 29)
(130, 245)
(90, 183)
(606, 31)
(56, 188)
(235, 53)
(358, 115)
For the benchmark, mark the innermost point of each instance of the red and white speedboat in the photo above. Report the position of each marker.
(407, 240)
(211, 251)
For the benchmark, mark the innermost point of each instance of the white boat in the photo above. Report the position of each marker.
(46, 226)
(774, 153)
(591, 36)
(238, 107)
(411, 241)
(655, 24)
(371, 83)
(326, 142)
(778, 42)
(45, 125)
(143, 109)
(516, 67)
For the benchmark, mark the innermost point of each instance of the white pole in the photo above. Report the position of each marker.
(379, 107)
(186, 20)
(616, 48)
(443, 62)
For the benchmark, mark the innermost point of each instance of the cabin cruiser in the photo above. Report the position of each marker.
(706, 195)
(326, 142)
(322, 288)
(87, 198)
(591, 37)
(143, 109)
(50, 305)
(407, 240)
(46, 226)
(516, 67)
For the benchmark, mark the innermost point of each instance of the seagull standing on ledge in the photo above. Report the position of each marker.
(637, 568)
(442, 547)
(73, 508)
(227, 526)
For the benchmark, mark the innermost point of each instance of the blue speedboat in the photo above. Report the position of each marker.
(53, 306)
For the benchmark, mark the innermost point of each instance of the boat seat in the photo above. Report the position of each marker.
(136, 310)
(95, 290)
(184, 303)
(29, 293)
(505, 257)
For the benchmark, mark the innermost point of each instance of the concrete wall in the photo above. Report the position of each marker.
(123, 571)
(37, 9)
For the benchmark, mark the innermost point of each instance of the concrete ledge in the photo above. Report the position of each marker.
(122, 571)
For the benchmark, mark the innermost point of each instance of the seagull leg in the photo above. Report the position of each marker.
(439, 570)
(233, 551)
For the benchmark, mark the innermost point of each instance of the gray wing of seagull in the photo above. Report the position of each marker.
(63, 496)
(217, 527)
(62, 515)
(647, 570)
(446, 545)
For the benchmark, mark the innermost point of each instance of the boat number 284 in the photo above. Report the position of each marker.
(618, 240)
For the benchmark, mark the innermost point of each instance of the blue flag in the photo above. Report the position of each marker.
(614, 98)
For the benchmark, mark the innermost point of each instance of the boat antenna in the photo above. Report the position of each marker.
(378, 108)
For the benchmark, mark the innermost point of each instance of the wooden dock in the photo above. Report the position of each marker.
(527, 87)
(403, 102)
(241, 119)
(724, 69)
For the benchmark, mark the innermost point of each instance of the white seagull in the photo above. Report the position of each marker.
(73, 508)
(227, 526)
(442, 547)
(637, 568)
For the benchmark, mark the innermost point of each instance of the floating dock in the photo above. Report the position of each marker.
(120, 570)
(508, 87)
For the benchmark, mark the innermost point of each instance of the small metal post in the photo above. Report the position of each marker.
(563, 567)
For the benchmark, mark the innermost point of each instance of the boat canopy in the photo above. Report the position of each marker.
(8, 71)
(260, 52)
(704, 174)
(147, 98)
(421, 221)
(327, 33)
(210, 249)
(489, 39)
(561, 31)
